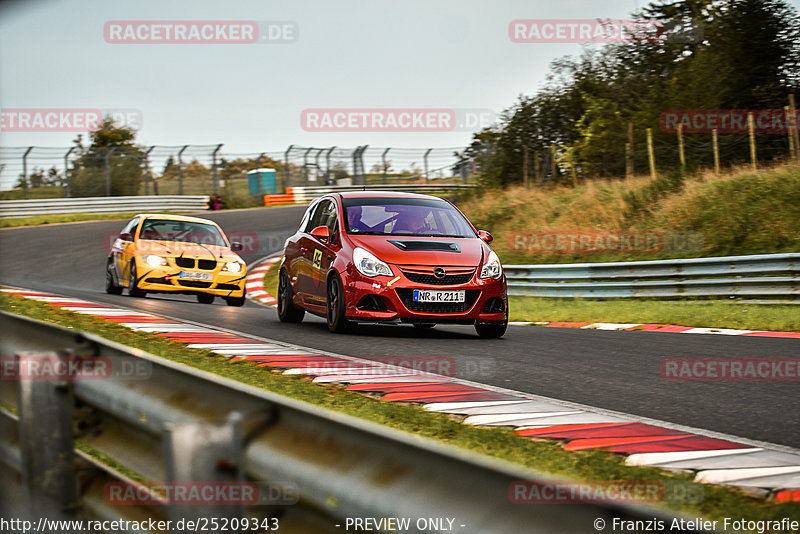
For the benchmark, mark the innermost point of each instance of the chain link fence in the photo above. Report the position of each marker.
(365, 165)
(49, 172)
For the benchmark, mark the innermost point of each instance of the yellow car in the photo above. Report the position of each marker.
(175, 254)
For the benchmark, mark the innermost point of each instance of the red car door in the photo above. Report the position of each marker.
(323, 252)
(303, 266)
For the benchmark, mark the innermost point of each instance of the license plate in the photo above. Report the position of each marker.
(192, 275)
(432, 295)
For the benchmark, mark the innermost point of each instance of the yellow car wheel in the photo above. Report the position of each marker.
(133, 288)
(205, 298)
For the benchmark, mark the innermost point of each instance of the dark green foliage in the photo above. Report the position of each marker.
(725, 54)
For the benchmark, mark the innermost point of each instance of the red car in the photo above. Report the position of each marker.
(391, 257)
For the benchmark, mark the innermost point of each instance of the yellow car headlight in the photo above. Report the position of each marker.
(154, 261)
(232, 267)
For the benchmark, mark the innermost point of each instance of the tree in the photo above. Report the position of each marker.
(88, 177)
(712, 54)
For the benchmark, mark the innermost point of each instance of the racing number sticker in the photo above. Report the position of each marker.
(317, 259)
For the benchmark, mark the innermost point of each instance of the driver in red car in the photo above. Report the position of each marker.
(412, 221)
(354, 219)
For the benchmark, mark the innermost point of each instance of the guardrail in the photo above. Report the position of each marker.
(756, 275)
(304, 195)
(125, 204)
(173, 423)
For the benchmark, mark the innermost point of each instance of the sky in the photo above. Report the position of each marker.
(350, 54)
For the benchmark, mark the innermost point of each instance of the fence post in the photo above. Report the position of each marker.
(383, 162)
(180, 169)
(681, 152)
(787, 115)
(553, 166)
(66, 171)
(25, 171)
(629, 152)
(328, 180)
(537, 166)
(425, 160)
(794, 128)
(305, 165)
(286, 163)
(752, 129)
(148, 176)
(651, 155)
(525, 165)
(214, 179)
(358, 165)
(108, 170)
(715, 143)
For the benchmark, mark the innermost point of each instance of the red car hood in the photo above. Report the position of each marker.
(470, 255)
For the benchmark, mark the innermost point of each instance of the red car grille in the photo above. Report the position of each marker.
(424, 275)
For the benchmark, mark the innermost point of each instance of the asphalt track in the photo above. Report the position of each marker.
(612, 370)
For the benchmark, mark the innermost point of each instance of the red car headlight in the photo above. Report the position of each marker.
(368, 265)
(492, 268)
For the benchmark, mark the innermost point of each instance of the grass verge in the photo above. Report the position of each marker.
(699, 215)
(546, 456)
(700, 313)
(62, 218)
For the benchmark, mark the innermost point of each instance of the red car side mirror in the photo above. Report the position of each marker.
(322, 233)
(126, 236)
(486, 236)
(236, 246)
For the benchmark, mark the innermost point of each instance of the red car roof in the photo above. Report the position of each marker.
(384, 194)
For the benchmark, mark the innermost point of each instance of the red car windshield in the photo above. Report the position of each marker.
(406, 217)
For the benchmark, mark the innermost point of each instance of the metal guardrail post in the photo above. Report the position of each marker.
(45, 414)
(205, 452)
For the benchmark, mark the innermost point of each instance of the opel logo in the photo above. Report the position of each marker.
(439, 273)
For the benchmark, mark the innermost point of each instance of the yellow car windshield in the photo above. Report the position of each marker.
(181, 231)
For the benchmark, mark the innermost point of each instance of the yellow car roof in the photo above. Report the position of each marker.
(171, 217)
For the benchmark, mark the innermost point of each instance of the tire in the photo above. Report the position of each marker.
(235, 301)
(287, 312)
(424, 326)
(337, 322)
(133, 290)
(205, 298)
(111, 287)
(491, 330)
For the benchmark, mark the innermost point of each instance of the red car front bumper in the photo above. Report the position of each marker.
(386, 298)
